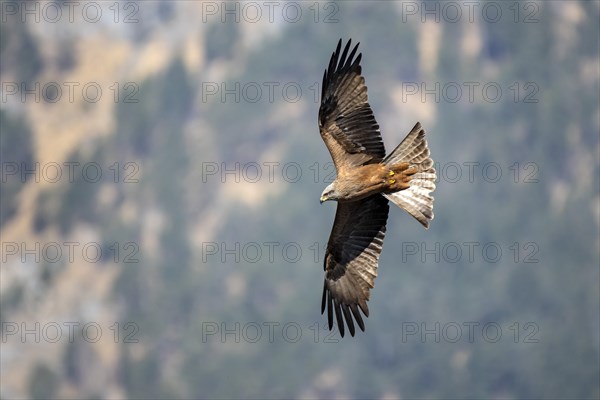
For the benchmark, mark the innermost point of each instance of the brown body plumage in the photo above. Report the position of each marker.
(366, 180)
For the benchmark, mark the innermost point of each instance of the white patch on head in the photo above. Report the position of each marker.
(328, 189)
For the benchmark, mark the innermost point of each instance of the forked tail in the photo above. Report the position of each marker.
(416, 199)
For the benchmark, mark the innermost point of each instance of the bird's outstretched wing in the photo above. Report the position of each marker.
(351, 259)
(346, 120)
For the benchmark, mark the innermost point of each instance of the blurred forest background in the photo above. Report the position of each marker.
(499, 298)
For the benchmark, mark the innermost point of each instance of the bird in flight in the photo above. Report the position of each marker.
(366, 180)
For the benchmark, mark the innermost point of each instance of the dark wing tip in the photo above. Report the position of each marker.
(348, 319)
(357, 317)
(338, 63)
(324, 299)
(342, 312)
(342, 62)
(338, 317)
(329, 310)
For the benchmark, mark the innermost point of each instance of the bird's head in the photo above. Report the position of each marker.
(329, 193)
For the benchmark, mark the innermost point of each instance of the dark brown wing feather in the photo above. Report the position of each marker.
(351, 259)
(346, 120)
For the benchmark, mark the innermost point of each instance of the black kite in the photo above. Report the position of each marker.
(366, 180)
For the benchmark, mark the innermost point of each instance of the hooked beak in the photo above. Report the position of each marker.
(322, 199)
